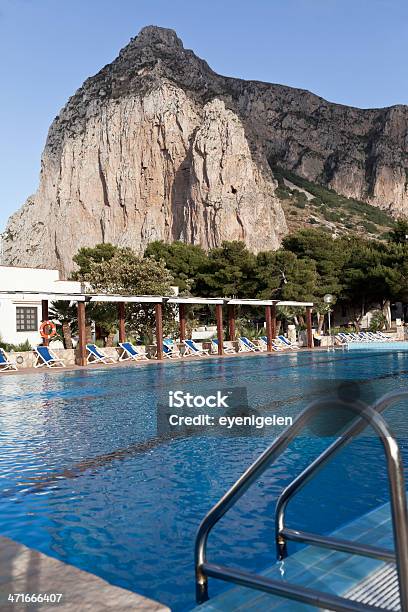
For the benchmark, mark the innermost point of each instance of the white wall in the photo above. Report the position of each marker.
(8, 329)
(27, 279)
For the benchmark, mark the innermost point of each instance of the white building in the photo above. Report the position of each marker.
(20, 317)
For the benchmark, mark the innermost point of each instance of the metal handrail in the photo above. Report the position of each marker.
(309, 472)
(367, 416)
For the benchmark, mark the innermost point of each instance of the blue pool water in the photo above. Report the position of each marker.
(86, 477)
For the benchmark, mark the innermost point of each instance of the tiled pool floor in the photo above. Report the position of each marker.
(316, 568)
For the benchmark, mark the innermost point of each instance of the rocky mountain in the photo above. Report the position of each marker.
(158, 146)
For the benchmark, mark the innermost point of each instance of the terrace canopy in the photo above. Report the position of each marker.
(158, 301)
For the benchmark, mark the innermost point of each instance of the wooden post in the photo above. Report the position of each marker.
(220, 332)
(81, 349)
(231, 322)
(273, 321)
(309, 327)
(44, 317)
(121, 315)
(268, 318)
(159, 330)
(182, 317)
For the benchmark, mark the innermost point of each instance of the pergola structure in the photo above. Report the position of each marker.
(270, 317)
(183, 301)
(158, 302)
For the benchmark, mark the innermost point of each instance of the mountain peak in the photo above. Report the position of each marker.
(154, 35)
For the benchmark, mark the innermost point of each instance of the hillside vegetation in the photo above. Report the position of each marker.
(308, 204)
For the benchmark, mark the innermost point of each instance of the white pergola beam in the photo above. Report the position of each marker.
(289, 303)
(34, 296)
(139, 299)
(252, 302)
(191, 300)
(142, 299)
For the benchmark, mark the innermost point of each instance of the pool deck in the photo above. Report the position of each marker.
(392, 346)
(316, 568)
(27, 571)
(150, 362)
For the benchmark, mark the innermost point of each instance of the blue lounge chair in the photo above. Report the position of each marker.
(96, 356)
(170, 352)
(46, 358)
(131, 352)
(214, 346)
(262, 343)
(367, 337)
(288, 343)
(378, 337)
(371, 337)
(275, 345)
(5, 363)
(341, 338)
(383, 336)
(193, 349)
(172, 346)
(356, 337)
(246, 345)
(362, 336)
(348, 337)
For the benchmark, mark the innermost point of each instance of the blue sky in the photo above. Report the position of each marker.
(348, 51)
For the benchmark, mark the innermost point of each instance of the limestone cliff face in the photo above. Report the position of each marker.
(158, 146)
(228, 196)
(143, 169)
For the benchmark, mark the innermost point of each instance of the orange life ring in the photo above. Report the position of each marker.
(52, 330)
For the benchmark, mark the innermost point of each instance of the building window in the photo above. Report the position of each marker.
(26, 319)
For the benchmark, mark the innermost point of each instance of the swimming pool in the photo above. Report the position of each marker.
(86, 478)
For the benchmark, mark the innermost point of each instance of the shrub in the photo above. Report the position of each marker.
(301, 197)
(283, 193)
(22, 347)
(17, 348)
(332, 216)
(371, 228)
(378, 321)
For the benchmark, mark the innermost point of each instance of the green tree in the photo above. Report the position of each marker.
(329, 256)
(399, 234)
(397, 278)
(374, 274)
(282, 275)
(185, 262)
(88, 255)
(229, 271)
(125, 273)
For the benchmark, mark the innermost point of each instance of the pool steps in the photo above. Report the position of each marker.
(312, 591)
(355, 577)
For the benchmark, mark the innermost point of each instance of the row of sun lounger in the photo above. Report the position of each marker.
(172, 351)
(45, 356)
(345, 338)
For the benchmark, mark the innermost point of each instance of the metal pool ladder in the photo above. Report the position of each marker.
(365, 415)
